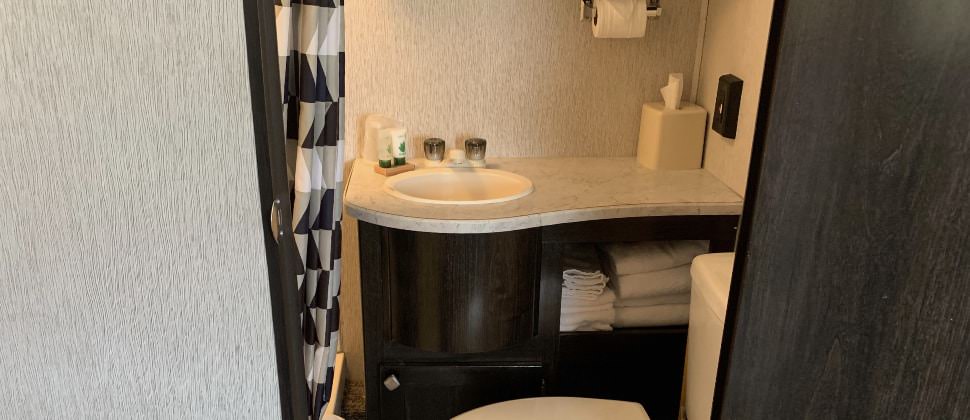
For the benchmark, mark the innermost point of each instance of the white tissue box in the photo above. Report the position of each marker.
(671, 138)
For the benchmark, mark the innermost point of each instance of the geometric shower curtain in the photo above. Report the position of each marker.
(310, 36)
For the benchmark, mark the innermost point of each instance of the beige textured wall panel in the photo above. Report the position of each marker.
(133, 280)
(351, 323)
(735, 42)
(525, 74)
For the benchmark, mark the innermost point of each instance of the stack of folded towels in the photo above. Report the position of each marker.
(587, 302)
(652, 281)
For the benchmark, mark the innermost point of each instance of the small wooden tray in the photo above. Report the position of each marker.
(394, 170)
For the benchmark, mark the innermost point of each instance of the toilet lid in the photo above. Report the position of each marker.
(558, 408)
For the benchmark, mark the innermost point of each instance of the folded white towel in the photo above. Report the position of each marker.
(651, 301)
(595, 288)
(569, 301)
(605, 315)
(586, 326)
(643, 257)
(581, 294)
(652, 316)
(657, 283)
(579, 310)
(584, 281)
(583, 276)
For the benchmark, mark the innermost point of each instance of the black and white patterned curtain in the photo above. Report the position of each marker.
(310, 36)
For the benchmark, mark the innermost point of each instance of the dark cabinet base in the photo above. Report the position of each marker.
(443, 391)
(464, 321)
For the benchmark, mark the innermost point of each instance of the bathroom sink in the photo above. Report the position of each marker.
(458, 186)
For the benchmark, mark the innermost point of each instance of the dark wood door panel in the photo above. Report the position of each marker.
(467, 293)
(849, 299)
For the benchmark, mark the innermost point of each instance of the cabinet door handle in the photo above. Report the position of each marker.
(391, 382)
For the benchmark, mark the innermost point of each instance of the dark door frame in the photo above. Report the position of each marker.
(282, 255)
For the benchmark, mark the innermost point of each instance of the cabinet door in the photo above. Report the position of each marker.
(468, 293)
(441, 392)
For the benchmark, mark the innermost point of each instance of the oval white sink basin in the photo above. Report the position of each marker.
(458, 186)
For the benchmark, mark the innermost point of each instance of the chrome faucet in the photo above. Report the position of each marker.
(475, 148)
(473, 156)
(434, 150)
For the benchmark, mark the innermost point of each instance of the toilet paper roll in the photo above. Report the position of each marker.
(620, 18)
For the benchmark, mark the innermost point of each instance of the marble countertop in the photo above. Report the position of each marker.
(566, 190)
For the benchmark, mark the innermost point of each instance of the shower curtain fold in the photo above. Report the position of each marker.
(310, 41)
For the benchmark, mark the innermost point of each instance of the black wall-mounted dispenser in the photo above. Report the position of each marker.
(727, 105)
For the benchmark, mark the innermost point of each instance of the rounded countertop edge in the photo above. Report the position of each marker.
(418, 224)
(529, 221)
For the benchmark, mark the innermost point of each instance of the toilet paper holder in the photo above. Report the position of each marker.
(589, 11)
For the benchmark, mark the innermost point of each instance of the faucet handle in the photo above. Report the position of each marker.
(434, 149)
(475, 148)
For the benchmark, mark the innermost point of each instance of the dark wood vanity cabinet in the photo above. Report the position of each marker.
(466, 320)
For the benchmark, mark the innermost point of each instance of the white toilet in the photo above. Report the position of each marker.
(558, 408)
(710, 283)
(711, 280)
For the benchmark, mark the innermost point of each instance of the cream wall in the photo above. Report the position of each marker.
(734, 42)
(133, 277)
(525, 74)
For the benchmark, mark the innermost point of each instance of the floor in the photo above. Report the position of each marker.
(353, 405)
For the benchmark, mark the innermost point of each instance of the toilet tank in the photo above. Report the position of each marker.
(710, 282)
